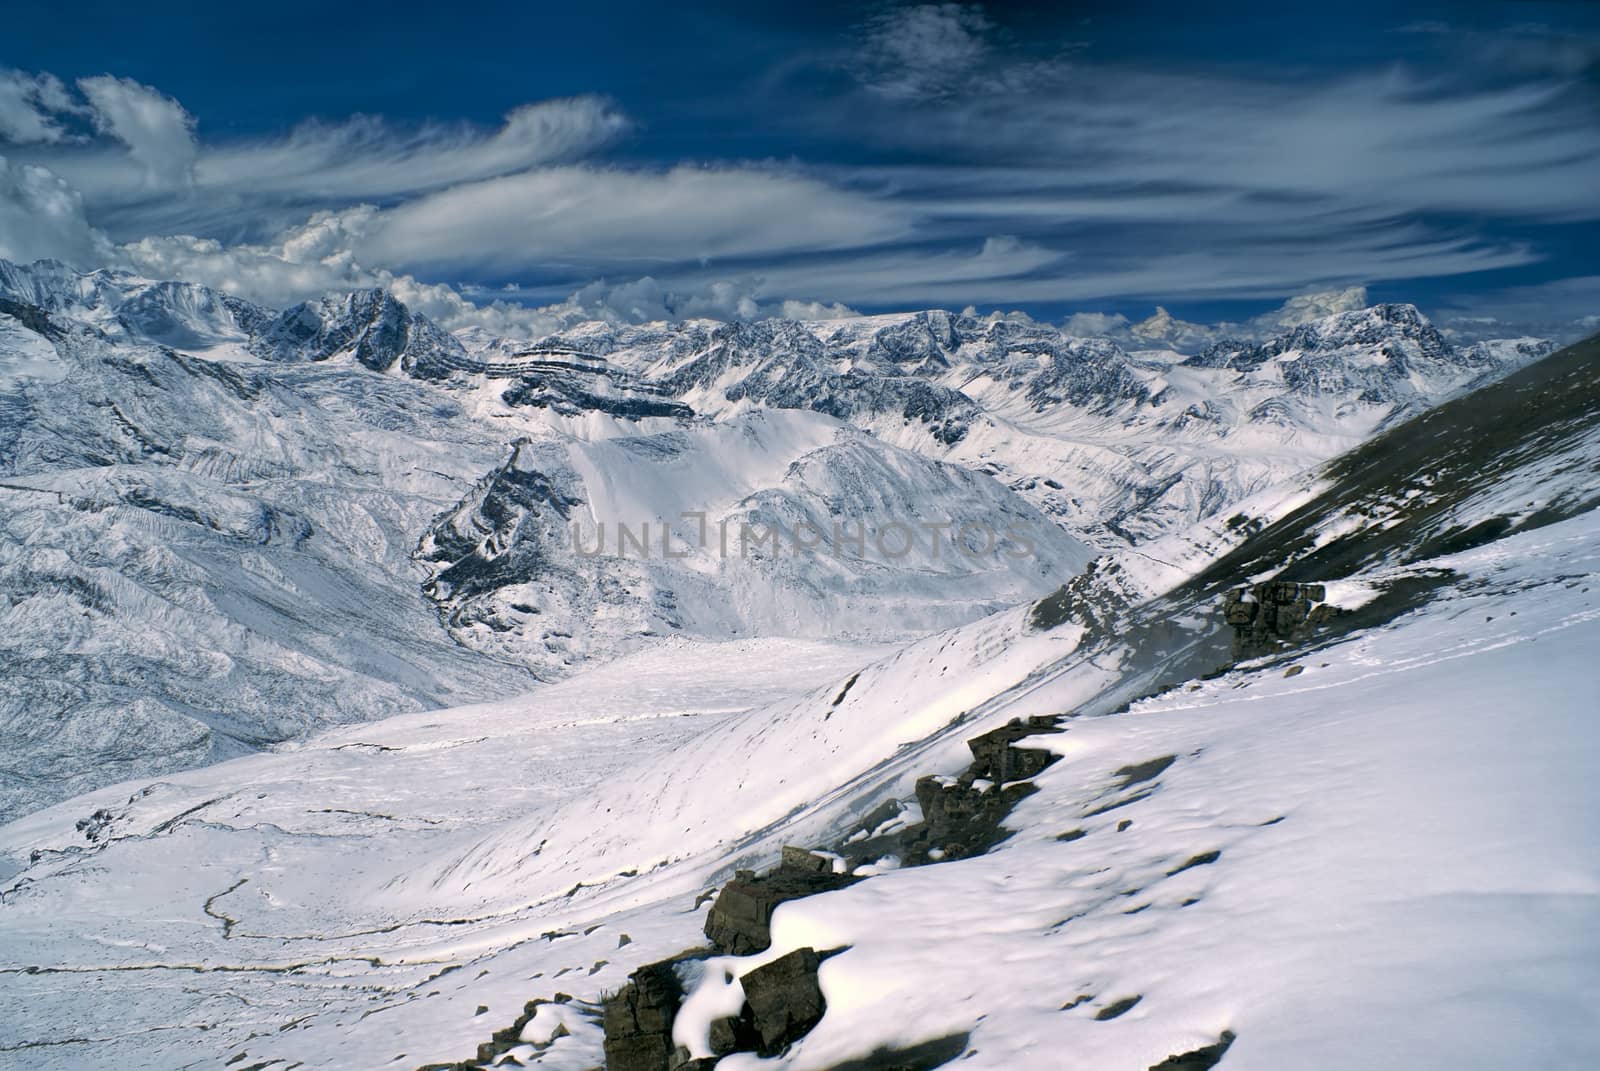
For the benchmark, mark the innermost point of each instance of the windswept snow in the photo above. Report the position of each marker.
(1373, 860)
(225, 530)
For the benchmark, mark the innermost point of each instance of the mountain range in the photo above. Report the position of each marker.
(1282, 765)
(228, 525)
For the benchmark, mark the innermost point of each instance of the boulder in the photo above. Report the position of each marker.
(740, 919)
(784, 999)
(638, 1020)
(995, 756)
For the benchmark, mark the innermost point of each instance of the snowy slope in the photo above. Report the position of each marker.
(1394, 813)
(223, 527)
(773, 523)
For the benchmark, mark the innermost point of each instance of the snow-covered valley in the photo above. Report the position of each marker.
(495, 769)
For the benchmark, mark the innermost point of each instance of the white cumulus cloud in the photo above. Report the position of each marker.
(42, 217)
(157, 131)
(30, 106)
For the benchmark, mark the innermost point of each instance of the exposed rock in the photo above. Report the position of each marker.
(371, 325)
(728, 1035)
(493, 1052)
(638, 1020)
(961, 818)
(1117, 1008)
(572, 393)
(1273, 615)
(994, 756)
(739, 921)
(96, 825)
(1203, 859)
(804, 859)
(784, 1000)
(1200, 1059)
(32, 317)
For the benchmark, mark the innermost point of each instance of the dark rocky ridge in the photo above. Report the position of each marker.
(1452, 453)
(1273, 615)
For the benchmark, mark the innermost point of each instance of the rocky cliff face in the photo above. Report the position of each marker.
(376, 330)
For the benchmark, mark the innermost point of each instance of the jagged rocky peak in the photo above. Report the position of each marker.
(1401, 326)
(875, 367)
(772, 350)
(178, 314)
(921, 343)
(372, 326)
(48, 284)
(1385, 353)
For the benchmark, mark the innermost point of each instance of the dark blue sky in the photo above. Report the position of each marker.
(722, 158)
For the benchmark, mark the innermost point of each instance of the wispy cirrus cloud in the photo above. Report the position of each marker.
(978, 166)
(150, 173)
(367, 158)
(922, 51)
(603, 217)
(1386, 141)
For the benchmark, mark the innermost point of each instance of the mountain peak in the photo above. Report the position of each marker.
(372, 325)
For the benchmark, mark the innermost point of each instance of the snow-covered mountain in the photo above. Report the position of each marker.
(227, 525)
(773, 523)
(1302, 785)
(1120, 447)
(224, 527)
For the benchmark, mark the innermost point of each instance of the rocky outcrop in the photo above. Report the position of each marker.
(575, 393)
(783, 1000)
(740, 920)
(962, 816)
(996, 756)
(638, 1020)
(1269, 617)
(503, 1041)
(32, 317)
